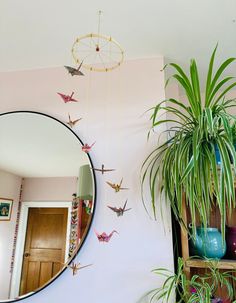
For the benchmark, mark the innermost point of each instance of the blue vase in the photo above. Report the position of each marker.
(217, 154)
(208, 243)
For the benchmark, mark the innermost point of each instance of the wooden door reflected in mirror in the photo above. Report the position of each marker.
(45, 247)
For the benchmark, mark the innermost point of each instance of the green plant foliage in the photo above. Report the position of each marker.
(185, 164)
(200, 289)
(234, 132)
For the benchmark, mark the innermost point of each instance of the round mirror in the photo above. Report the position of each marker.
(47, 199)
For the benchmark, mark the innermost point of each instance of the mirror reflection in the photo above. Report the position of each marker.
(46, 200)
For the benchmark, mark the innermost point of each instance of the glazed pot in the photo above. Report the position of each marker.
(208, 243)
(218, 156)
(231, 242)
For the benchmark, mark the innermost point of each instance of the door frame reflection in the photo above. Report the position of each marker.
(18, 260)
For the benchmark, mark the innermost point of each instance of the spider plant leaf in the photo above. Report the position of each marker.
(189, 93)
(229, 103)
(221, 203)
(187, 109)
(226, 164)
(209, 75)
(218, 87)
(166, 121)
(226, 124)
(220, 71)
(167, 82)
(205, 194)
(209, 121)
(211, 85)
(195, 147)
(178, 113)
(214, 179)
(164, 67)
(152, 182)
(171, 289)
(195, 83)
(160, 270)
(182, 74)
(224, 92)
(188, 168)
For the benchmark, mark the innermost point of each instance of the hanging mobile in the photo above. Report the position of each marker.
(77, 266)
(117, 187)
(67, 98)
(119, 210)
(104, 237)
(87, 148)
(97, 52)
(74, 71)
(71, 122)
(103, 169)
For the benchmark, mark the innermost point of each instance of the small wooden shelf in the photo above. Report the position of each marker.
(222, 264)
(194, 266)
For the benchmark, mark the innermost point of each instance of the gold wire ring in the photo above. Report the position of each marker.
(94, 45)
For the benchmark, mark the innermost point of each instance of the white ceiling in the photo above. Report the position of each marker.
(34, 145)
(39, 34)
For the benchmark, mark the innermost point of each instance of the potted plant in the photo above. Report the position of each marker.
(198, 289)
(186, 164)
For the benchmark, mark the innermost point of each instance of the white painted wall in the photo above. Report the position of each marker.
(112, 106)
(9, 188)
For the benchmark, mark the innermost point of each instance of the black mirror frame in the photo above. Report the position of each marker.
(92, 216)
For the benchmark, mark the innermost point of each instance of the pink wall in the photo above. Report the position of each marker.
(9, 188)
(49, 189)
(112, 106)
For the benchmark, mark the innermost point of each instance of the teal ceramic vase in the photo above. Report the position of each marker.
(208, 243)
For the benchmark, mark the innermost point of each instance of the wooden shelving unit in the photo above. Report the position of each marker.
(199, 266)
(223, 264)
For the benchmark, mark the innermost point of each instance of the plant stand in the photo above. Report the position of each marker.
(199, 266)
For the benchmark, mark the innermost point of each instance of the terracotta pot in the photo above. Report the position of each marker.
(231, 242)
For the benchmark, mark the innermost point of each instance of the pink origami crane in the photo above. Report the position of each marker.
(86, 148)
(104, 237)
(67, 98)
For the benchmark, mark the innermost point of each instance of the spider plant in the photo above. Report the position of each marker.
(185, 164)
(234, 132)
(201, 289)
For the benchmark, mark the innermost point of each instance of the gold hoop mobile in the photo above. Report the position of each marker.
(97, 52)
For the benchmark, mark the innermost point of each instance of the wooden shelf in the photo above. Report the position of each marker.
(222, 264)
(196, 266)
